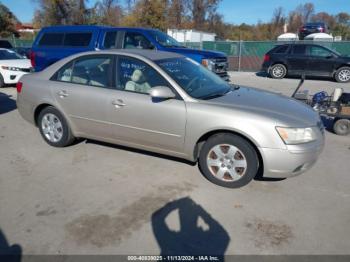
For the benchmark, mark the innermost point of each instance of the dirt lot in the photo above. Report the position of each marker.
(94, 198)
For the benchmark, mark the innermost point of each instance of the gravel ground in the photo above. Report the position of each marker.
(96, 198)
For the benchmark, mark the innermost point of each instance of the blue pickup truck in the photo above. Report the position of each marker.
(56, 42)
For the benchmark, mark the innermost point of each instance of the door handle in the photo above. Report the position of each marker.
(62, 94)
(118, 103)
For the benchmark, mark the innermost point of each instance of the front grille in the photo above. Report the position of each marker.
(28, 70)
(221, 65)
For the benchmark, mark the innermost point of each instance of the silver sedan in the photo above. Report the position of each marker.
(169, 104)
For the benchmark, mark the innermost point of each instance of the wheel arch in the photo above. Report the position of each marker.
(200, 142)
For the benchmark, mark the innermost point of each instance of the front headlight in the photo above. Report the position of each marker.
(11, 68)
(209, 63)
(294, 136)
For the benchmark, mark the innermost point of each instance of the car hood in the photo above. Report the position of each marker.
(284, 110)
(204, 53)
(21, 63)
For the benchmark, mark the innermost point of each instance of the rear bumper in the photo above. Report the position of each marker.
(293, 161)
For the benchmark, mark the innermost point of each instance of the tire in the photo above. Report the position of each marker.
(278, 71)
(342, 127)
(2, 82)
(234, 150)
(342, 75)
(54, 128)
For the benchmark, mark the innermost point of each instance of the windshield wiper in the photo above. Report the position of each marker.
(215, 95)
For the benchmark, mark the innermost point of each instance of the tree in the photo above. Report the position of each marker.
(8, 22)
(148, 13)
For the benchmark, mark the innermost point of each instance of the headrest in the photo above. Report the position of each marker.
(138, 77)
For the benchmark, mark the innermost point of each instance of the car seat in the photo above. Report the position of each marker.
(138, 83)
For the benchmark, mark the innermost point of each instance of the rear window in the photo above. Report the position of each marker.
(281, 49)
(299, 49)
(77, 39)
(51, 39)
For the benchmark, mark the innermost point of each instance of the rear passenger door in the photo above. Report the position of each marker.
(82, 89)
(297, 59)
(111, 39)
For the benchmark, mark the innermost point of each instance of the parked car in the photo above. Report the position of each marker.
(308, 59)
(311, 28)
(5, 44)
(169, 104)
(12, 67)
(56, 42)
(23, 51)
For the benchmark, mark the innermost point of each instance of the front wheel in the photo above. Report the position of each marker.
(342, 127)
(278, 71)
(343, 75)
(54, 128)
(228, 160)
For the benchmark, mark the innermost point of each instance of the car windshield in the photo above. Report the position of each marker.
(164, 40)
(9, 55)
(195, 80)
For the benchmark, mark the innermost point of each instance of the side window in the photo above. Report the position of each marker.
(65, 73)
(110, 40)
(281, 49)
(93, 71)
(51, 39)
(77, 39)
(319, 51)
(136, 76)
(299, 49)
(136, 40)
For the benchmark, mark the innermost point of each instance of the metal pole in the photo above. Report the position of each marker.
(239, 55)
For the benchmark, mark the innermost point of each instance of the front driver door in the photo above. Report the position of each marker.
(136, 118)
(321, 61)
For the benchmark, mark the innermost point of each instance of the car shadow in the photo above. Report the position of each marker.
(320, 78)
(9, 253)
(139, 151)
(196, 232)
(7, 104)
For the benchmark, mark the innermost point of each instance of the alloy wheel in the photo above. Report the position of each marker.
(226, 162)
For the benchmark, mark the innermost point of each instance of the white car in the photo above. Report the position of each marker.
(12, 66)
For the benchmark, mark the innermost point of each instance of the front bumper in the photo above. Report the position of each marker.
(292, 161)
(12, 77)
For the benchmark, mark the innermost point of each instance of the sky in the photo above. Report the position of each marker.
(234, 11)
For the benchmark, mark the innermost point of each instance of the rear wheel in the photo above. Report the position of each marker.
(343, 75)
(278, 71)
(228, 160)
(342, 127)
(54, 128)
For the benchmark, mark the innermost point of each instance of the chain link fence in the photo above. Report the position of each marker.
(242, 55)
(248, 55)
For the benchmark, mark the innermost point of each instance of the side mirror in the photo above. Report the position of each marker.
(161, 92)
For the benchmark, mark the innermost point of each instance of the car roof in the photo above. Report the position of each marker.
(149, 54)
(68, 28)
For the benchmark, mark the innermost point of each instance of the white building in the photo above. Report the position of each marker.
(319, 37)
(191, 35)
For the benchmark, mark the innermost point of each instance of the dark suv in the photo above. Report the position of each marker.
(311, 28)
(308, 59)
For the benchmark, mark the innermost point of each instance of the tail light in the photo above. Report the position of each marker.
(266, 58)
(32, 58)
(19, 86)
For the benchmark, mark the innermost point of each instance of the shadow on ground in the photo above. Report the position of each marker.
(321, 78)
(7, 104)
(197, 233)
(9, 253)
